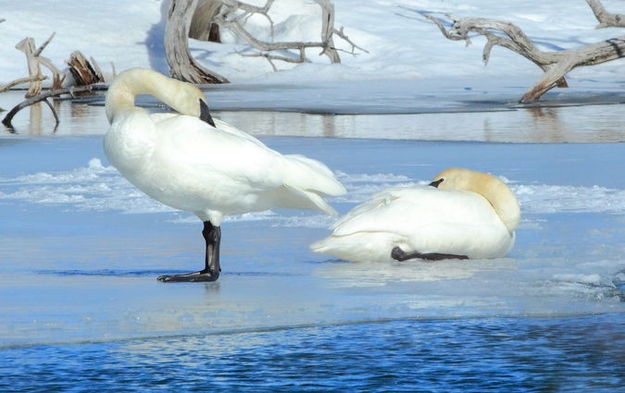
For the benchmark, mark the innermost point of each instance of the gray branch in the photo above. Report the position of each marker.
(555, 64)
(605, 18)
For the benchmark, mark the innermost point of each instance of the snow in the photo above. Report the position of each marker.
(130, 35)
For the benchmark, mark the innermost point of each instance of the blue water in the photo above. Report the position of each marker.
(580, 354)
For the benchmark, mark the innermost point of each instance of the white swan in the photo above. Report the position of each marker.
(185, 162)
(461, 214)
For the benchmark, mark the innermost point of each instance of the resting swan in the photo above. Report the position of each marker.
(461, 214)
(191, 162)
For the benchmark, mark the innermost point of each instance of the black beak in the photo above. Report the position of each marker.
(436, 183)
(205, 114)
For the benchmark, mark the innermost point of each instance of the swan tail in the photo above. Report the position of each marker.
(314, 200)
(313, 176)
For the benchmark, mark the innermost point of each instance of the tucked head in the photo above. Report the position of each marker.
(494, 190)
(183, 97)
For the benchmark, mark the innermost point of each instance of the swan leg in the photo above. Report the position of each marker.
(400, 255)
(212, 237)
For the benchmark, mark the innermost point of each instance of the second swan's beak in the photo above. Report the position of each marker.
(436, 183)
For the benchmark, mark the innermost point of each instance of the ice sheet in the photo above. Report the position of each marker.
(81, 248)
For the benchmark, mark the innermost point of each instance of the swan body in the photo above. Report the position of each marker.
(467, 214)
(188, 164)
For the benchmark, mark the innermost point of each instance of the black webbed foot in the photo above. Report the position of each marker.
(400, 255)
(201, 276)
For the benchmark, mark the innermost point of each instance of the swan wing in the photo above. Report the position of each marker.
(237, 172)
(423, 219)
(216, 154)
(406, 211)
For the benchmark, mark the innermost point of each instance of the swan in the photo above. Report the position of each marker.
(461, 214)
(190, 161)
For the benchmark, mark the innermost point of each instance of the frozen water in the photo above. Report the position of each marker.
(91, 245)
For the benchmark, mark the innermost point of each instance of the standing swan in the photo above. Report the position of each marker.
(191, 162)
(461, 214)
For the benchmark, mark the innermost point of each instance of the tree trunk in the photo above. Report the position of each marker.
(181, 65)
(202, 27)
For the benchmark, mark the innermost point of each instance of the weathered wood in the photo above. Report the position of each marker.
(83, 71)
(182, 66)
(228, 18)
(42, 97)
(605, 18)
(327, 30)
(34, 60)
(27, 45)
(19, 81)
(202, 27)
(555, 64)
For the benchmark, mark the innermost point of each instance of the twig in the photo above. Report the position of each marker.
(227, 18)
(41, 97)
(605, 18)
(344, 36)
(22, 80)
(43, 46)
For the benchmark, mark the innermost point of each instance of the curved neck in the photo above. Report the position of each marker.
(504, 203)
(181, 96)
(496, 192)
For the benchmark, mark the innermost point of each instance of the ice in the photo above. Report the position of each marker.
(82, 247)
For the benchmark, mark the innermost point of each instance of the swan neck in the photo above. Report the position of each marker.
(181, 96)
(504, 203)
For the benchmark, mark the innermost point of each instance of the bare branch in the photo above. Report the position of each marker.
(22, 80)
(605, 18)
(555, 64)
(41, 97)
(229, 18)
(43, 46)
(344, 36)
(56, 117)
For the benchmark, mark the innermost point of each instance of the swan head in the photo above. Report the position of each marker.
(183, 97)
(495, 191)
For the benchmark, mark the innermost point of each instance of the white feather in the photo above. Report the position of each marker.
(420, 219)
(187, 164)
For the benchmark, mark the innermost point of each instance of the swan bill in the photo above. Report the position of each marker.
(205, 114)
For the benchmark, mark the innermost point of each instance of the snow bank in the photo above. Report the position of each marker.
(401, 44)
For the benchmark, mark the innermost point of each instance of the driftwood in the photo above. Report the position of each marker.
(555, 64)
(605, 18)
(19, 81)
(227, 17)
(203, 19)
(43, 97)
(202, 27)
(182, 66)
(35, 60)
(83, 71)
